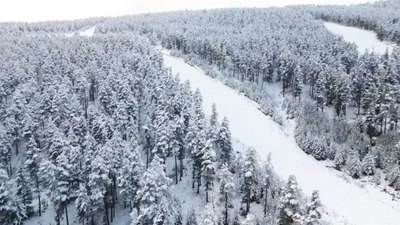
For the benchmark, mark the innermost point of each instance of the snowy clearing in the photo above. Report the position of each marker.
(345, 202)
(369, 40)
(88, 32)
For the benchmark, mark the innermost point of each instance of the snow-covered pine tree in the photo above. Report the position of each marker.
(32, 165)
(319, 93)
(313, 210)
(5, 151)
(208, 167)
(342, 94)
(213, 125)
(368, 165)
(156, 205)
(224, 142)
(226, 189)
(289, 206)
(209, 215)
(297, 82)
(5, 200)
(130, 174)
(249, 171)
(353, 164)
(24, 191)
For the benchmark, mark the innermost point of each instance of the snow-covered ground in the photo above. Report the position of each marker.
(87, 32)
(365, 40)
(346, 202)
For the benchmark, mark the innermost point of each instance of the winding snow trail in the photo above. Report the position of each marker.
(345, 201)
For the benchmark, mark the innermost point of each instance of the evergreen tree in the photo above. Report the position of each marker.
(24, 191)
(214, 126)
(208, 167)
(353, 164)
(249, 171)
(156, 205)
(319, 93)
(5, 200)
(297, 82)
(226, 189)
(289, 207)
(342, 94)
(368, 165)
(313, 212)
(209, 216)
(225, 143)
(130, 174)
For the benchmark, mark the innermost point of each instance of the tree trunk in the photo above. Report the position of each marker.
(248, 201)
(226, 208)
(106, 210)
(181, 168)
(16, 147)
(66, 214)
(176, 170)
(147, 157)
(38, 191)
(266, 201)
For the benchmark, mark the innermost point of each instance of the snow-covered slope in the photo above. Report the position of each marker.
(345, 201)
(369, 40)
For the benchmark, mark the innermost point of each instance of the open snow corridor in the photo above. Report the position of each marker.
(344, 200)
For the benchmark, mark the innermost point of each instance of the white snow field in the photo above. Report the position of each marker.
(364, 39)
(345, 202)
(87, 32)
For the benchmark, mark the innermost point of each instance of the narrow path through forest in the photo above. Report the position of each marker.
(345, 201)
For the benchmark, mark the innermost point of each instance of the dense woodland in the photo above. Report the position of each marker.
(252, 48)
(100, 124)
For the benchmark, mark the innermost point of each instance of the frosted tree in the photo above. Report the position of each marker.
(353, 164)
(297, 82)
(319, 93)
(226, 189)
(196, 138)
(156, 205)
(82, 203)
(313, 210)
(249, 171)
(342, 94)
(61, 193)
(24, 191)
(209, 215)
(368, 165)
(130, 174)
(358, 78)
(17, 211)
(267, 182)
(208, 167)
(32, 165)
(224, 142)
(5, 151)
(214, 125)
(163, 145)
(179, 147)
(98, 185)
(289, 206)
(5, 200)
